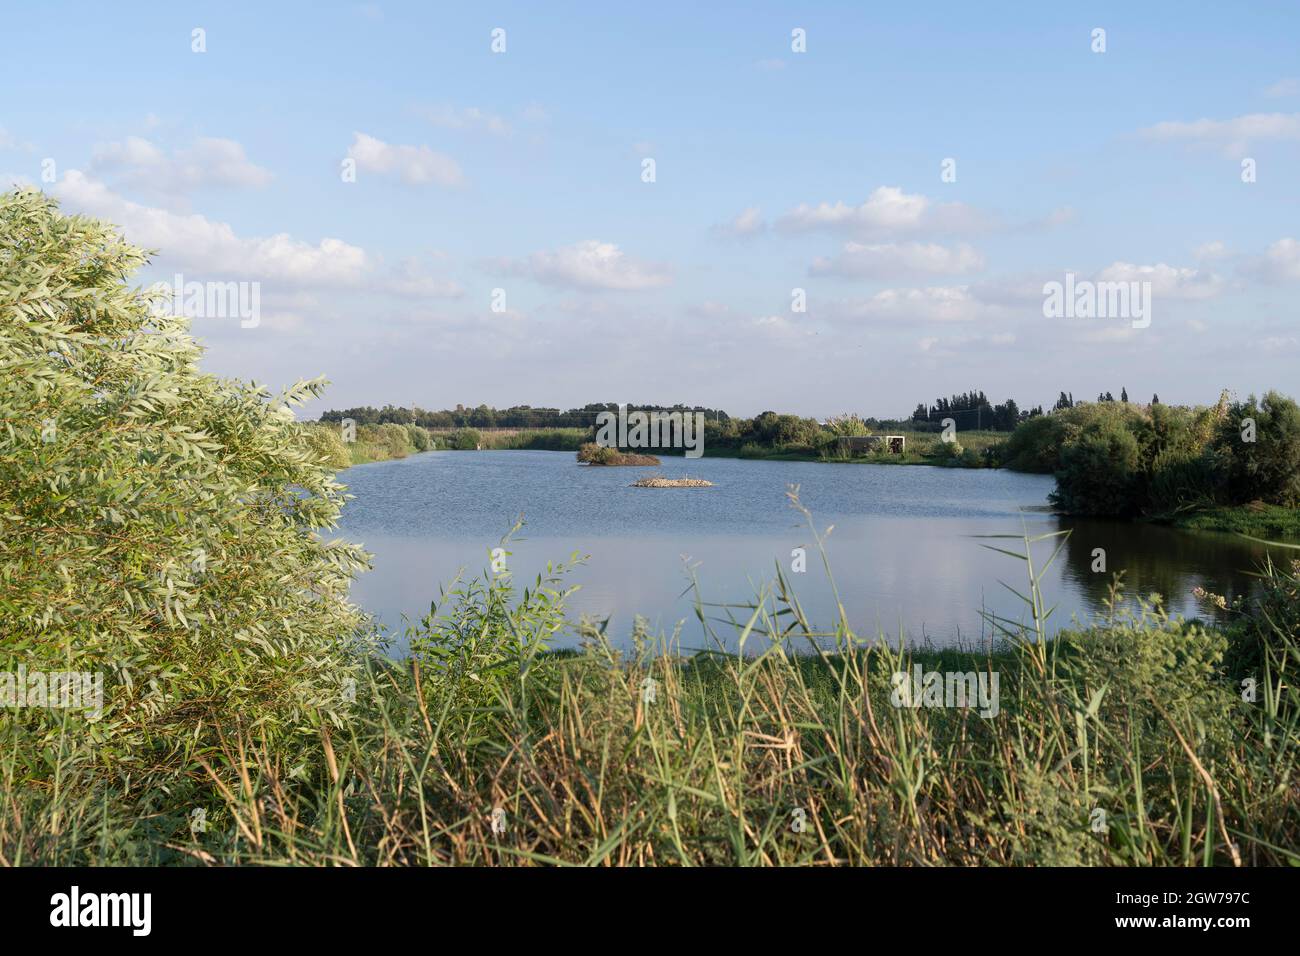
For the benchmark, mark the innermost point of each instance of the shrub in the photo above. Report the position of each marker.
(159, 522)
(1182, 480)
(847, 425)
(594, 454)
(1100, 469)
(947, 452)
(1268, 468)
(394, 439)
(418, 437)
(1035, 444)
(328, 444)
(464, 439)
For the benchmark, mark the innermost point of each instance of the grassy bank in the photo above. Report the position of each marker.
(372, 443)
(1257, 520)
(522, 439)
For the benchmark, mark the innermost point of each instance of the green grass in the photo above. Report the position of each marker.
(766, 757)
(1257, 520)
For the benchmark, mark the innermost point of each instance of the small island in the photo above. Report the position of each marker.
(659, 481)
(594, 454)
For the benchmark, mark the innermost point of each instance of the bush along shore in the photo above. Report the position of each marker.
(1232, 466)
(165, 546)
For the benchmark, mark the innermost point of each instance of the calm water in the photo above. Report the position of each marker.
(901, 549)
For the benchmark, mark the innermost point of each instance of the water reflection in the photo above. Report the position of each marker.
(1158, 560)
(905, 549)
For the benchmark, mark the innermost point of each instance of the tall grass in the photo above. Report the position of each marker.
(1126, 742)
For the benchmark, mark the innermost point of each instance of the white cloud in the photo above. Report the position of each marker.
(748, 223)
(414, 165)
(887, 211)
(895, 260)
(950, 346)
(1210, 250)
(1280, 343)
(1234, 136)
(1167, 282)
(198, 243)
(932, 304)
(470, 117)
(410, 278)
(779, 327)
(209, 162)
(590, 264)
(1280, 262)
(1287, 86)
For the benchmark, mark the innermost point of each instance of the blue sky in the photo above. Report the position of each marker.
(774, 170)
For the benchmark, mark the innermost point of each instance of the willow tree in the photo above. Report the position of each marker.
(158, 525)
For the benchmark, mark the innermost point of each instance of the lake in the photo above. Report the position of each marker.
(902, 549)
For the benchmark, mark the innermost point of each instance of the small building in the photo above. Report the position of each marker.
(865, 444)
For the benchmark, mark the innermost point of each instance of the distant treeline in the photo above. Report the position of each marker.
(517, 416)
(973, 410)
(969, 411)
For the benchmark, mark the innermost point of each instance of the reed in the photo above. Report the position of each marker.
(780, 742)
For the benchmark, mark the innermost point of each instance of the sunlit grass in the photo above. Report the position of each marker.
(1126, 743)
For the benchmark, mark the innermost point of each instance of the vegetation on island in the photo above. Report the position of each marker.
(592, 454)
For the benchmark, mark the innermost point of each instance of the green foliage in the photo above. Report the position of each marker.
(328, 444)
(592, 453)
(772, 429)
(392, 439)
(1255, 519)
(1099, 471)
(1116, 458)
(1035, 445)
(464, 439)
(159, 523)
(550, 439)
(418, 437)
(1268, 468)
(1183, 480)
(848, 425)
